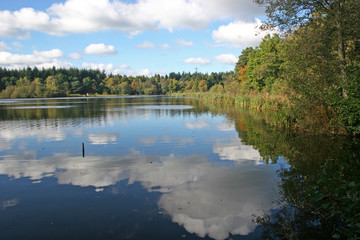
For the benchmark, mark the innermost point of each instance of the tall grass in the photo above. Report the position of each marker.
(278, 105)
(275, 106)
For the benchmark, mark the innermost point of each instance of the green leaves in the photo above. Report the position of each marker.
(336, 236)
(318, 196)
(264, 63)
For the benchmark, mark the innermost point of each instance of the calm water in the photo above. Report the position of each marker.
(154, 168)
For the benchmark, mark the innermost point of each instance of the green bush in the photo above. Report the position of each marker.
(350, 105)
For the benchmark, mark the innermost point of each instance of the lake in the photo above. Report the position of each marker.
(151, 168)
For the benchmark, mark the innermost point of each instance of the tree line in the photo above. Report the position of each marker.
(53, 82)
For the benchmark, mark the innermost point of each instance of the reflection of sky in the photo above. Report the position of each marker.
(237, 152)
(148, 141)
(4, 144)
(203, 199)
(194, 125)
(103, 138)
(41, 129)
(9, 203)
(226, 125)
(222, 202)
(165, 107)
(167, 149)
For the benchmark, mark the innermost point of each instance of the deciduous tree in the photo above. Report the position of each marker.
(340, 18)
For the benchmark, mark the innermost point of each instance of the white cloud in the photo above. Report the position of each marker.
(4, 46)
(54, 53)
(108, 68)
(200, 61)
(139, 72)
(19, 23)
(217, 45)
(146, 45)
(240, 34)
(184, 43)
(45, 65)
(100, 49)
(29, 18)
(75, 56)
(229, 59)
(83, 16)
(132, 34)
(122, 69)
(240, 9)
(164, 46)
(54, 63)
(17, 45)
(38, 57)
(150, 45)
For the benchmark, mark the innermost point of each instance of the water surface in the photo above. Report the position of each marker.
(154, 168)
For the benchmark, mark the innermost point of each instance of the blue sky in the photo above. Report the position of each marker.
(132, 37)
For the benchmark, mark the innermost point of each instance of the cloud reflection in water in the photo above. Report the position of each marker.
(41, 129)
(102, 138)
(205, 200)
(237, 152)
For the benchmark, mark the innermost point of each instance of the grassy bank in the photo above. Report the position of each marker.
(275, 106)
(278, 110)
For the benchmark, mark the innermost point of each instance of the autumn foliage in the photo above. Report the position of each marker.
(242, 73)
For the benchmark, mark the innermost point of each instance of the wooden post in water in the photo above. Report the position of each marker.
(83, 149)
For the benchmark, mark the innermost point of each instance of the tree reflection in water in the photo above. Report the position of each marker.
(320, 188)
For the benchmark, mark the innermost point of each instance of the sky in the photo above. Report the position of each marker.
(128, 37)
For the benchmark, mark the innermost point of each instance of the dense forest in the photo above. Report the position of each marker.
(308, 76)
(32, 82)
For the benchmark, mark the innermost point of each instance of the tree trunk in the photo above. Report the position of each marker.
(342, 61)
(341, 48)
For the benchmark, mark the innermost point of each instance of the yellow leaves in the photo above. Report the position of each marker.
(203, 86)
(242, 73)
